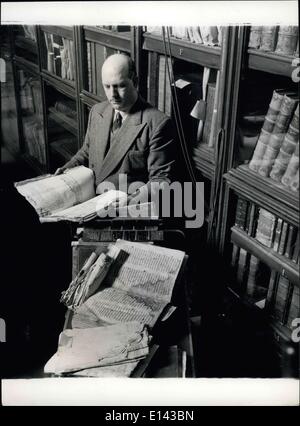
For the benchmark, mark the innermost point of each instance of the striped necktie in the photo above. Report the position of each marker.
(117, 122)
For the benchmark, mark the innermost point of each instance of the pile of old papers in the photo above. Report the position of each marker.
(114, 299)
(101, 351)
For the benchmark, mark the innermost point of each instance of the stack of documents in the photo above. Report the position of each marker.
(115, 348)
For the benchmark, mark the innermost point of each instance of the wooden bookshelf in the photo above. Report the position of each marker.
(28, 65)
(63, 84)
(203, 157)
(88, 98)
(59, 84)
(197, 53)
(116, 40)
(26, 43)
(62, 31)
(65, 148)
(63, 120)
(268, 256)
(270, 62)
(265, 192)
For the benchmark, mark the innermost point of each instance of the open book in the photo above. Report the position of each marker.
(138, 287)
(71, 197)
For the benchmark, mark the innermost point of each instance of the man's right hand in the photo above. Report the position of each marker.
(60, 171)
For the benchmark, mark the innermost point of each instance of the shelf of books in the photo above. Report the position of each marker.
(57, 53)
(199, 45)
(62, 126)
(273, 49)
(98, 44)
(9, 115)
(266, 260)
(191, 57)
(32, 119)
(25, 44)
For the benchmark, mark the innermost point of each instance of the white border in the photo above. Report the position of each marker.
(145, 392)
(151, 12)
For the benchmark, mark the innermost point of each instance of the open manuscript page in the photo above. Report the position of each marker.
(138, 287)
(49, 194)
(69, 196)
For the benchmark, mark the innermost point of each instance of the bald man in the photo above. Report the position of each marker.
(126, 136)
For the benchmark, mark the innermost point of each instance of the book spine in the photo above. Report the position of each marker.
(211, 141)
(294, 185)
(241, 213)
(271, 289)
(168, 93)
(266, 130)
(290, 241)
(292, 167)
(268, 38)
(255, 37)
(235, 256)
(241, 268)
(196, 34)
(286, 110)
(265, 228)
(294, 306)
(50, 62)
(296, 53)
(281, 298)
(283, 237)
(253, 270)
(287, 149)
(295, 254)
(211, 89)
(287, 40)
(161, 83)
(277, 235)
(209, 35)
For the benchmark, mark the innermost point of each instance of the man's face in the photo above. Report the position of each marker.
(119, 89)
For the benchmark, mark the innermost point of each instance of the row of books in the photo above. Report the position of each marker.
(115, 28)
(95, 56)
(267, 288)
(29, 32)
(30, 94)
(282, 40)
(60, 56)
(33, 132)
(66, 107)
(207, 35)
(276, 154)
(189, 94)
(269, 230)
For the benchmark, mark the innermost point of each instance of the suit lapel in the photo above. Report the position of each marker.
(103, 133)
(122, 143)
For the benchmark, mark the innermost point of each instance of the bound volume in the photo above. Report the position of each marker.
(70, 196)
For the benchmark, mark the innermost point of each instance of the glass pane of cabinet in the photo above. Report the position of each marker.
(31, 105)
(9, 124)
(58, 54)
(96, 54)
(25, 42)
(62, 127)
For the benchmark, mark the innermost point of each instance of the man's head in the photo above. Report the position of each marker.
(119, 80)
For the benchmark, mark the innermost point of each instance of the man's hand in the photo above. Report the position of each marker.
(60, 171)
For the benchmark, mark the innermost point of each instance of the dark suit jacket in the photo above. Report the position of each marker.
(143, 148)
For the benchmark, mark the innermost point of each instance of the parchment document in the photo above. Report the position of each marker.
(138, 286)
